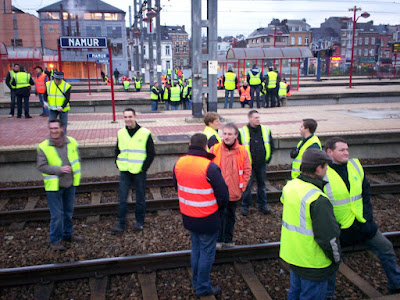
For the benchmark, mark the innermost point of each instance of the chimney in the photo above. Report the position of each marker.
(183, 27)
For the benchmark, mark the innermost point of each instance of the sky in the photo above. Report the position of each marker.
(243, 17)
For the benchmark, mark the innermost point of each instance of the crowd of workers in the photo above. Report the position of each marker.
(326, 205)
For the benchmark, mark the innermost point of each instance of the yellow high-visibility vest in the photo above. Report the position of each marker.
(297, 161)
(245, 135)
(55, 97)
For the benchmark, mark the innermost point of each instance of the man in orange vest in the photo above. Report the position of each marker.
(40, 89)
(235, 165)
(244, 93)
(202, 195)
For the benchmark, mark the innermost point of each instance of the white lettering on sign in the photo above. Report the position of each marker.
(83, 42)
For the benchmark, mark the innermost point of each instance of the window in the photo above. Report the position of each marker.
(372, 52)
(177, 49)
(116, 49)
(293, 28)
(360, 40)
(112, 17)
(93, 16)
(144, 50)
(184, 49)
(15, 24)
(168, 64)
(51, 28)
(344, 43)
(17, 43)
(359, 52)
(372, 41)
(299, 40)
(306, 41)
(293, 40)
(366, 41)
(114, 32)
(167, 50)
(93, 30)
(184, 61)
(365, 52)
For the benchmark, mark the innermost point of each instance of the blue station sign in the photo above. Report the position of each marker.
(73, 42)
(98, 55)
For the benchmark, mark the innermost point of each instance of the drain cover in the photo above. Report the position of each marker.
(173, 138)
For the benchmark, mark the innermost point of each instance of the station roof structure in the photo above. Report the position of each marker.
(268, 53)
(89, 6)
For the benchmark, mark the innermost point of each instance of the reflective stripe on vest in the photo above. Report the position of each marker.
(297, 161)
(175, 94)
(51, 182)
(245, 94)
(22, 80)
(40, 83)
(153, 95)
(132, 150)
(272, 77)
(195, 193)
(298, 246)
(54, 96)
(282, 89)
(230, 81)
(263, 89)
(255, 79)
(12, 76)
(245, 135)
(347, 205)
(240, 161)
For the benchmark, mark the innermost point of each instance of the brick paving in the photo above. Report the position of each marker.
(93, 130)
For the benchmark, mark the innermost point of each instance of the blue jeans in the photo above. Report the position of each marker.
(256, 89)
(126, 180)
(201, 260)
(19, 105)
(227, 92)
(259, 172)
(45, 110)
(154, 105)
(304, 289)
(271, 95)
(61, 206)
(12, 104)
(175, 105)
(228, 223)
(63, 117)
(166, 104)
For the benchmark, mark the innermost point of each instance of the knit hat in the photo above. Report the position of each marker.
(315, 157)
(58, 75)
(39, 67)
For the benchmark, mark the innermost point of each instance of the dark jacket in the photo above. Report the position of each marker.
(211, 223)
(8, 81)
(255, 71)
(156, 91)
(150, 151)
(358, 232)
(257, 148)
(326, 234)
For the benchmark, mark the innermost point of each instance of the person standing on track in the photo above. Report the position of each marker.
(134, 154)
(310, 233)
(235, 165)
(349, 191)
(309, 140)
(58, 160)
(203, 194)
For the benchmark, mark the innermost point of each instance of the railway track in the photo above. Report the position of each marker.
(87, 210)
(99, 270)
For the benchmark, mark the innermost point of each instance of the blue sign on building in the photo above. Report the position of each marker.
(98, 55)
(83, 42)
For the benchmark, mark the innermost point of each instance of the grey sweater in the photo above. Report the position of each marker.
(65, 179)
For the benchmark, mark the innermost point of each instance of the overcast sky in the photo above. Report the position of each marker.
(239, 16)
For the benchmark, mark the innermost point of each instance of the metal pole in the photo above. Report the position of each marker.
(135, 25)
(142, 64)
(97, 75)
(352, 46)
(394, 69)
(88, 73)
(151, 54)
(59, 56)
(112, 82)
(197, 81)
(319, 62)
(274, 39)
(158, 41)
(130, 38)
(212, 41)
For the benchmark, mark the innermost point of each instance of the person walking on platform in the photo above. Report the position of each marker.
(134, 154)
(202, 194)
(22, 82)
(258, 141)
(309, 140)
(10, 76)
(309, 234)
(126, 84)
(116, 76)
(244, 94)
(58, 161)
(254, 78)
(175, 97)
(230, 82)
(211, 119)
(271, 82)
(350, 193)
(40, 89)
(57, 98)
(155, 96)
(235, 165)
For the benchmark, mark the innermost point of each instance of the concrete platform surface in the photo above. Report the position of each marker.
(98, 130)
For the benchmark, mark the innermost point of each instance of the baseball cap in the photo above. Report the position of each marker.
(58, 75)
(315, 157)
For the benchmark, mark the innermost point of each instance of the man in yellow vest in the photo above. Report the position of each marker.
(134, 154)
(58, 161)
(309, 140)
(56, 97)
(349, 191)
(10, 76)
(230, 83)
(259, 144)
(22, 82)
(310, 233)
(155, 95)
(254, 78)
(272, 82)
(175, 97)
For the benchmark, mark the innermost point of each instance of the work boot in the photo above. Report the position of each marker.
(215, 290)
(57, 246)
(229, 245)
(138, 227)
(117, 229)
(245, 211)
(75, 239)
(265, 210)
(218, 246)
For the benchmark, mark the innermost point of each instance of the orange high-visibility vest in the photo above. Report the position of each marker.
(195, 193)
(245, 94)
(240, 161)
(40, 84)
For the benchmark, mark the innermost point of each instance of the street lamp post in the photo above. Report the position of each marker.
(364, 15)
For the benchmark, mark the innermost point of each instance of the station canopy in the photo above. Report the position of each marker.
(268, 53)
